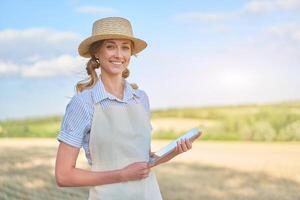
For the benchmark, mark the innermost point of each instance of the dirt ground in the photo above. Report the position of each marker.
(211, 170)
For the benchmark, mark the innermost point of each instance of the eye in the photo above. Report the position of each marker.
(109, 46)
(126, 47)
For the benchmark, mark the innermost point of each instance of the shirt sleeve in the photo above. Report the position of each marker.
(75, 123)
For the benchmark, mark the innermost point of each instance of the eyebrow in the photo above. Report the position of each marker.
(109, 41)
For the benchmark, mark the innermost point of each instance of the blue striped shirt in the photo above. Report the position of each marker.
(77, 121)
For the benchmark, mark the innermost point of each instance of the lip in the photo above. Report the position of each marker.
(116, 62)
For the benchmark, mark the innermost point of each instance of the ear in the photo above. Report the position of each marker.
(97, 54)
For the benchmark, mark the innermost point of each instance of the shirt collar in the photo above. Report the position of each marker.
(99, 93)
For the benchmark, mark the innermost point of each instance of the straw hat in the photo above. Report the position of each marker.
(111, 28)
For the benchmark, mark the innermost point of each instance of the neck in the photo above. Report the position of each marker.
(113, 84)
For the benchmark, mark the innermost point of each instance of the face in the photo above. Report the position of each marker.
(114, 56)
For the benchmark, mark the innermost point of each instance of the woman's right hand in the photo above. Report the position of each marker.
(135, 171)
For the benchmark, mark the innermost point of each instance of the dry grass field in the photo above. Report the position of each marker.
(211, 171)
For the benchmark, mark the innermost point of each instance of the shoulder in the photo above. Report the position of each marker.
(81, 104)
(83, 98)
(142, 94)
(144, 99)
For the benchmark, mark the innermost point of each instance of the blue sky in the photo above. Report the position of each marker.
(199, 53)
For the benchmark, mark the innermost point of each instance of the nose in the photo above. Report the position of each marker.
(118, 52)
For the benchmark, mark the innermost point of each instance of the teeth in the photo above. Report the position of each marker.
(117, 63)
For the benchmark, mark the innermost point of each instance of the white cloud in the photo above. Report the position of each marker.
(64, 65)
(251, 7)
(38, 52)
(287, 31)
(259, 6)
(264, 6)
(21, 46)
(95, 10)
(8, 68)
(46, 35)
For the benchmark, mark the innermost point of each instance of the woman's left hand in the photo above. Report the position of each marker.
(182, 146)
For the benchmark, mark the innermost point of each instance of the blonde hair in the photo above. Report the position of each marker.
(94, 64)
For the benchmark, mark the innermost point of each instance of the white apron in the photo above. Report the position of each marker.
(121, 135)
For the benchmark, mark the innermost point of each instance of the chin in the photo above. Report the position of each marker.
(116, 73)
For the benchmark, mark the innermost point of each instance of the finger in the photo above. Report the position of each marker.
(183, 145)
(145, 165)
(180, 150)
(176, 148)
(142, 164)
(141, 177)
(188, 144)
(145, 176)
(146, 171)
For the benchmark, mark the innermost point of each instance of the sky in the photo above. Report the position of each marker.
(200, 53)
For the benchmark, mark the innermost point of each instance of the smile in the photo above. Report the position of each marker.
(116, 63)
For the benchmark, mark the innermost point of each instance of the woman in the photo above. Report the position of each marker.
(109, 118)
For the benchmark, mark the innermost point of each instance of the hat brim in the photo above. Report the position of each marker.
(83, 49)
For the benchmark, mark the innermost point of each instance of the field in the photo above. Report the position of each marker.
(260, 160)
(211, 171)
(268, 122)
(264, 122)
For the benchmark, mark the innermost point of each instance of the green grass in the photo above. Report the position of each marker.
(272, 122)
(269, 122)
(33, 127)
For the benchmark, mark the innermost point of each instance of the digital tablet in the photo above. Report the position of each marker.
(191, 135)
